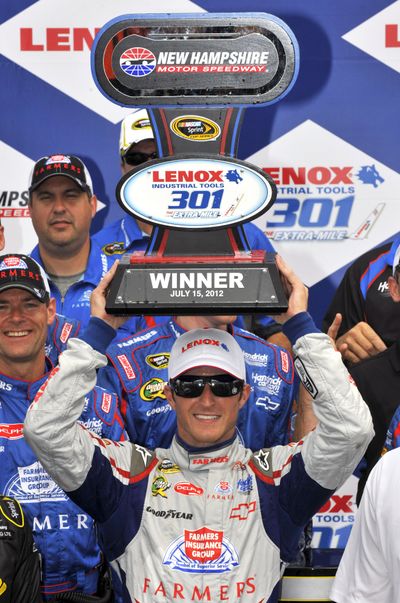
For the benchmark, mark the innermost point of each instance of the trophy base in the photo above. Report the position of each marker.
(201, 285)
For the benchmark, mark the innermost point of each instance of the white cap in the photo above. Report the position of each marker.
(134, 128)
(206, 347)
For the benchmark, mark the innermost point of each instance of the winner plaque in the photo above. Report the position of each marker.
(195, 74)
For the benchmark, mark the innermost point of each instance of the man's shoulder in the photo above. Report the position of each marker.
(144, 338)
(377, 254)
(261, 353)
(117, 236)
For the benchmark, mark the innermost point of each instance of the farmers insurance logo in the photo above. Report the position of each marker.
(379, 36)
(52, 40)
(330, 194)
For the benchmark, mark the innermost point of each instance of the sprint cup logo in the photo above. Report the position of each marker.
(139, 62)
(194, 127)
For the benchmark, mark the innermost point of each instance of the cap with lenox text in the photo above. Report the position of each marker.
(134, 128)
(22, 272)
(206, 347)
(61, 165)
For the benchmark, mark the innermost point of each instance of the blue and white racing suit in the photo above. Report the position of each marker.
(64, 534)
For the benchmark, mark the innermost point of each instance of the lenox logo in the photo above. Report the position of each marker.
(196, 342)
(315, 175)
(188, 176)
(392, 37)
(56, 39)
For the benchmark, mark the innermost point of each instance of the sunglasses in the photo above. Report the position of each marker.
(192, 386)
(138, 158)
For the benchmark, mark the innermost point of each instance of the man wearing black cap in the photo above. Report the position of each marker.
(205, 519)
(64, 534)
(62, 205)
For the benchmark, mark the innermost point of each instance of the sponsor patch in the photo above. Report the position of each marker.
(169, 514)
(115, 248)
(245, 485)
(11, 509)
(12, 431)
(158, 361)
(66, 332)
(167, 466)
(241, 512)
(160, 486)
(154, 388)
(305, 377)
(203, 550)
(188, 489)
(223, 487)
(284, 361)
(32, 484)
(106, 402)
(126, 365)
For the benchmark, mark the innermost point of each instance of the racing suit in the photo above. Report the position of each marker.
(205, 524)
(76, 303)
(139, 370)
(125, 236)
(19, 558)
(363, 295)
(58, 333)
(63, 533)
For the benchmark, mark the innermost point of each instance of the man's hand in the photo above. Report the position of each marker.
(98, 300)
(357, 344)
(296, 291)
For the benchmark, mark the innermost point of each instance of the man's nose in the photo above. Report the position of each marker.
(207, 397)
(58, 204)
(16, 312)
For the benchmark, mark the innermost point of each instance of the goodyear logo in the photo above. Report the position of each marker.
(194, 127)
(152, 389)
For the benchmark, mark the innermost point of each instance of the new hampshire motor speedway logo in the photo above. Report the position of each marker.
(32, 485)
(204, 551)
(140, 62)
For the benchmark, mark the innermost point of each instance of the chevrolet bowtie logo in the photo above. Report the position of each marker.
(242, 511)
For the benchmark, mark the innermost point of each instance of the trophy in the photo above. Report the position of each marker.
(195, 74)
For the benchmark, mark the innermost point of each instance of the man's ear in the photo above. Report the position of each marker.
(51, 311)
(93, 205)
(394, 289)
(245, 395)
(169, 395)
